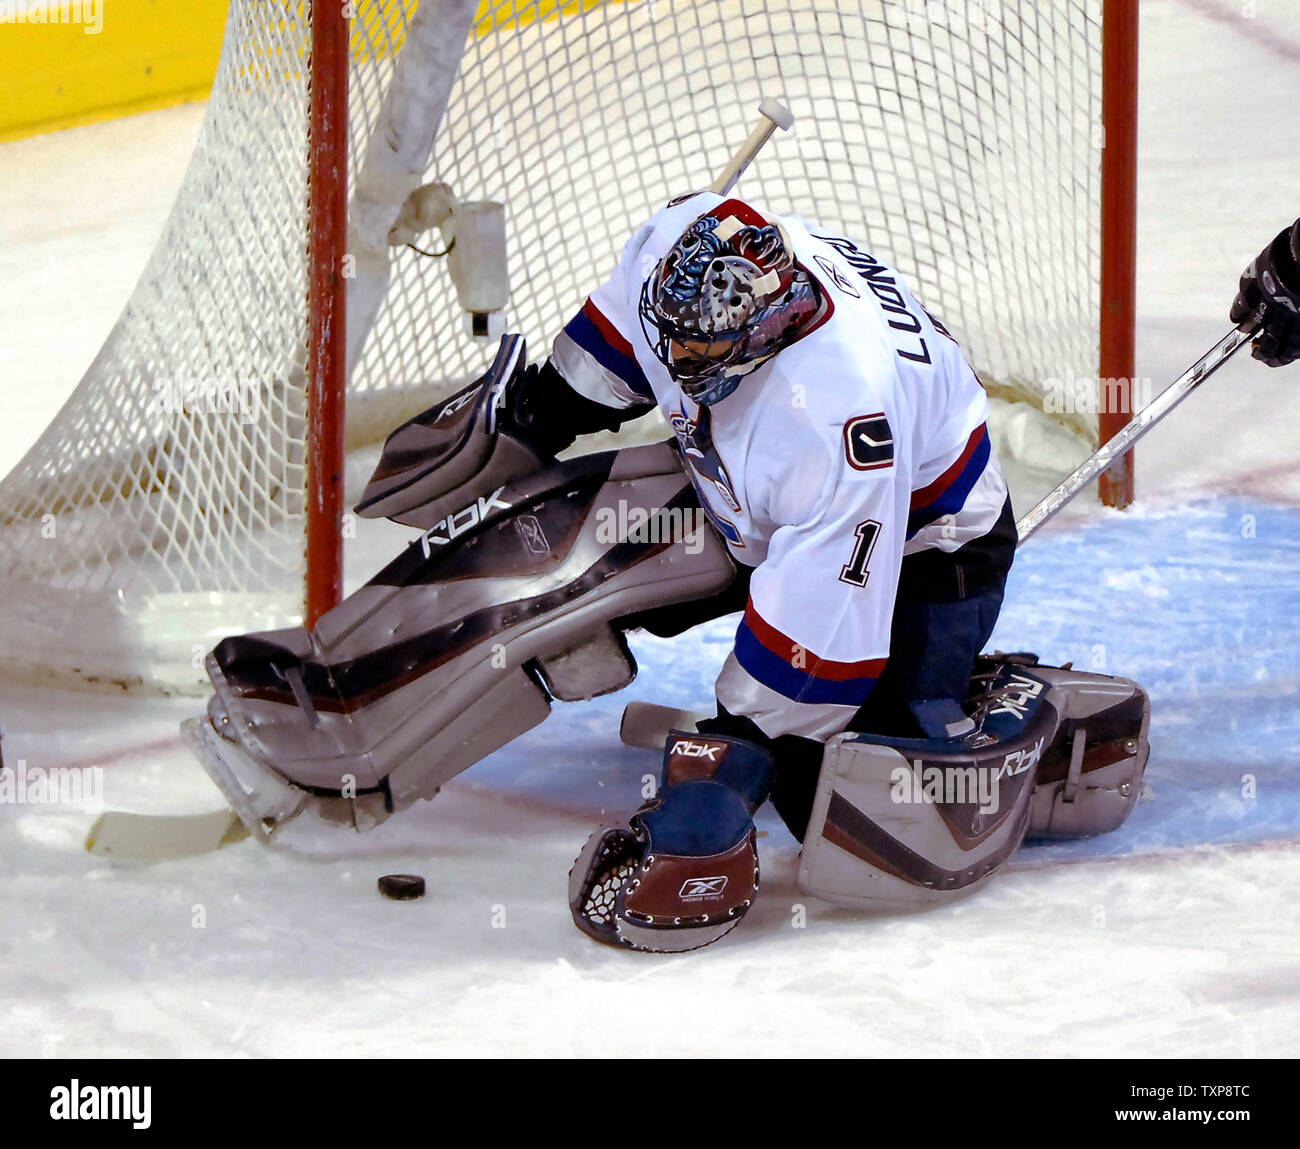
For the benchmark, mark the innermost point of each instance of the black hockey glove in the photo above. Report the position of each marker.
(544, 412)
(1270, 295)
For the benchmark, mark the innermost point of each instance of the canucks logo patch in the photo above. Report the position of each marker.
(869, 442)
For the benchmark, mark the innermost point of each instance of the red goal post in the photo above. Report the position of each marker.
(1118, 232)
(327, 214)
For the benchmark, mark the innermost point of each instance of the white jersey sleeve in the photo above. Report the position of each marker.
(597, 352)
(594, 351)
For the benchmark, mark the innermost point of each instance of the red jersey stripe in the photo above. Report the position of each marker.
(607, 330)
(786, 649)
(927, 495)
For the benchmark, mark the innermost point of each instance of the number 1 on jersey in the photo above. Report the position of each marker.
(855, 572)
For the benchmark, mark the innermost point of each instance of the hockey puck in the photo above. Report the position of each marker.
(402, 887)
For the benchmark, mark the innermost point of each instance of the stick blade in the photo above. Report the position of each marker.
(127, 837)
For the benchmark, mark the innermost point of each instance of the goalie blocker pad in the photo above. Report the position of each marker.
(440, 461)
(1057, 753)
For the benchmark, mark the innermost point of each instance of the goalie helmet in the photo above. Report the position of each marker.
(724, 300)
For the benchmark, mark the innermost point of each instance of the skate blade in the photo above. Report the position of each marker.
(262, 801)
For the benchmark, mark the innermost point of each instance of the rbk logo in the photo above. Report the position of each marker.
(466, 519)
(456, 403)
(693, 889)
(1018, 761)
(1017, 703)
(689, 749)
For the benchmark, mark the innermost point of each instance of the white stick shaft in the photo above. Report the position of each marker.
(767, 124)
(1138, 426)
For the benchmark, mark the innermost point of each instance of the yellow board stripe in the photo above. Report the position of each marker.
(88, 60)
(104, 58)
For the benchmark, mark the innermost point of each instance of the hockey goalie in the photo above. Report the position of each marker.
(830, 476)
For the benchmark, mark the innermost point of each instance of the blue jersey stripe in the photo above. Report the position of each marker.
(777, 674)
(953, 497)
(588, 336)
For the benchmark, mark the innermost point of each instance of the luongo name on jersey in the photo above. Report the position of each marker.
(859, 444)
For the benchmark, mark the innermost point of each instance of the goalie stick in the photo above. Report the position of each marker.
(773, 115)
(1139, 425)
(645, 725)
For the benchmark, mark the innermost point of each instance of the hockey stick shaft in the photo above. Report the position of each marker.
(1139, 425)
(772, 115)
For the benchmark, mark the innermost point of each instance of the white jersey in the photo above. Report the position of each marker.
(861, 442)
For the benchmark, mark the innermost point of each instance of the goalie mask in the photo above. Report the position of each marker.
(724, 300)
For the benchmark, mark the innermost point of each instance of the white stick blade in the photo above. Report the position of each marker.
(127, 837)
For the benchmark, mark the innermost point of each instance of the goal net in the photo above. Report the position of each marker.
(164, 506)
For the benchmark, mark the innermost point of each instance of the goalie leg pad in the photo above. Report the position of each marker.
(1091, 778)
(262, 799)
(450, 455)
(460, 643)
(899, 823)
(1058, 753)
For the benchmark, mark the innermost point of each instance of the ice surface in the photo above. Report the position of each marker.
(1177, 935)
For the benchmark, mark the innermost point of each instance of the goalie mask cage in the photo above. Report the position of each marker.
(168, 503)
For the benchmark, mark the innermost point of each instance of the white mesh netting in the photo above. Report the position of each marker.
(164, 506)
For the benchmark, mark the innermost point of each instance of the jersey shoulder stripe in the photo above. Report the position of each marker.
(947, 494)
(777, 661)
(592, 331)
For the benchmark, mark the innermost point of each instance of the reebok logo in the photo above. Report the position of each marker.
(697, 889)
(1018, 761)
(466, 519)
(456, 404)
(689, 749)
(1017, 703)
